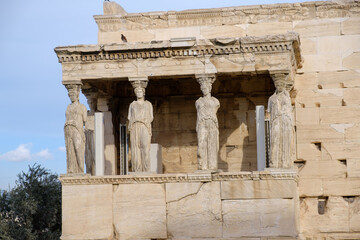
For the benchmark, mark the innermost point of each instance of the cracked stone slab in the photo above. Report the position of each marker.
(178, 191)
(194, 210)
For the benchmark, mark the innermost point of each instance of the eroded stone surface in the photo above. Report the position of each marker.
(258, 189)
(76, 115)
(87, 211)
(140, 118)
(269, 217)
(196, 214)
(326, 99)
(334, 219)
(282, 143)
(207, 125)
(139, 211)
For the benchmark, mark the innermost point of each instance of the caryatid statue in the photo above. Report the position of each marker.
(91, 96)
(140, 118)
(281, 125)
(76, 115)
(207, 126)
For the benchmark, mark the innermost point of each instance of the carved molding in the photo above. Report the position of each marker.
(172, 178)
(227, 16)
(271, 44)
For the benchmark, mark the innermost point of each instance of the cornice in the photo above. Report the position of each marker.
(174, 178)
(270, 44)
(227, 16)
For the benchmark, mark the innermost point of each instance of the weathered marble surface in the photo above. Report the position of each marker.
(326, 101)
(259, 217)
(139, 211)
(194, 210)
(76, 115)
(87, 212)
(140, 117)
(262, 189)
(207, 126)
(281, 125)
(178, 206)
(90, 136)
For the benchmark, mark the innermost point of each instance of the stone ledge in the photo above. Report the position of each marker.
(171, 178)
(268, 44)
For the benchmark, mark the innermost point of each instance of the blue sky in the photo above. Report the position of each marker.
(32, 98)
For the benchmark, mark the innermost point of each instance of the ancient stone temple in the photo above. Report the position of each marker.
(229, 123)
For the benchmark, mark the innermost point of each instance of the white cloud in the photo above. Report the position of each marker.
(23, 153)
(45, 154)
(62, 149)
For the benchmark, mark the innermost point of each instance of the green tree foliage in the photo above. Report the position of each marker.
(32, 209)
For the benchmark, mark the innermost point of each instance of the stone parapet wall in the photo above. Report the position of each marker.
(181, 206)
(285, 12)
(308, 19)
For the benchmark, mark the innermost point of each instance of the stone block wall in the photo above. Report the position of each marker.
(181, 206)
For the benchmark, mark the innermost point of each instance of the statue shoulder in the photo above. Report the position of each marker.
(132, 104)
(83, 108)
(216, 100)
(272, 97)
(198, 101)
(148, 103)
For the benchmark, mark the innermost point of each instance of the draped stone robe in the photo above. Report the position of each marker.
(76, 115)
(140, 117)
(207, 129)
(281, 130)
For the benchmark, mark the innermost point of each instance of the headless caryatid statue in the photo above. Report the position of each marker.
(90, 136)
(207, 126)
(76, 115)
(140, 118)
(281, 125)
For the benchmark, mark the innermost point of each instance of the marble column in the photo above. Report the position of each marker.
(281, 124)
(91, 96)
(207, 126)
(104, 105)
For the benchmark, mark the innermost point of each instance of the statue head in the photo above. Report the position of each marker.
(139, 92)
(139, 87)
(73, 92)
(280, 81)
(280, 86)
(206, 81)
(206, 88)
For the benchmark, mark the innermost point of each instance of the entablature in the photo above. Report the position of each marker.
(182, 56)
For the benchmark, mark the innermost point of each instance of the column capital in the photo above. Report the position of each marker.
(283, 79)
(71, 82)
(89, 91)
(205, 78)
(139, 82)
